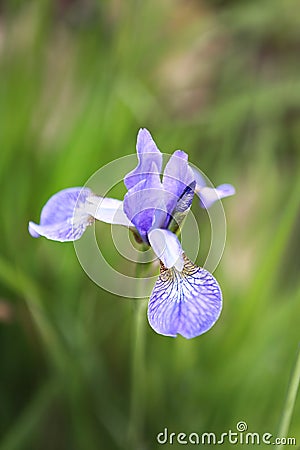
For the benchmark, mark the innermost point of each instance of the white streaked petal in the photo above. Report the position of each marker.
(186, 303)
(167, 248)
(109, 210)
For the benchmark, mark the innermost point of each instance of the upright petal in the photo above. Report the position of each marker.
(208, 196)
(177, 176)
(64, 217)
(147, 153)
(167, 248)
(199, 178)
(144, 203)
(186, 303)
(182, 208)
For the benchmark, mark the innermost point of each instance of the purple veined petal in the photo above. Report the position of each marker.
(147, 153)
(144, 203)
(64, 217)
(208, 195)
(167, 248)
(177, 176)
(109, 210)
(186, 303)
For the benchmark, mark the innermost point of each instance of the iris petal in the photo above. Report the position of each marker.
(186, 303)
(109, 210)
(177, 176)
(167, 248)
(144, 203)
(208, 196)
(147, 153)
(61, 232)
(182, 208)
(199, 178)
(64, 217)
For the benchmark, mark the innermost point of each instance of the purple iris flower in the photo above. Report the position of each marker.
(186, 299)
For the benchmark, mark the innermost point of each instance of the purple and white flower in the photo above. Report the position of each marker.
(186, 299)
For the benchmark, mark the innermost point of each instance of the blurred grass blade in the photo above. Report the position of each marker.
(290, 401)
(30, 419)
(22, 285)
(264, 281)
(138, 374)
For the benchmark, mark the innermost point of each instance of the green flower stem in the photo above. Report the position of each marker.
(290, 401)
(137, 400)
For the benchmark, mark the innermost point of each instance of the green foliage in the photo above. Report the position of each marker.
(77, 79)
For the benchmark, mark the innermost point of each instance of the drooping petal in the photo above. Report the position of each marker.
(167, 248)
(64, 217)
(109, 210)
(144, 203)
(177, 176)
(186, 303)
(208, 195)
(147, 153)
(61, 232)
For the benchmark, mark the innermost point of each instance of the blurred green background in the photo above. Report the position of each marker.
(216, 78)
